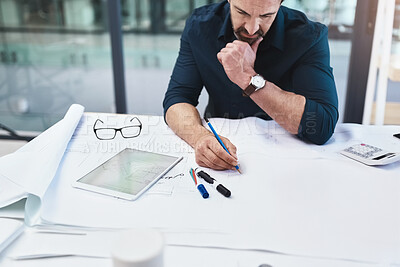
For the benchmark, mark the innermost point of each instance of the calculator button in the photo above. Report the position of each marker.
(363, 150)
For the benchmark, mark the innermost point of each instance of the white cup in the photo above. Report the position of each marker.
(138, 248)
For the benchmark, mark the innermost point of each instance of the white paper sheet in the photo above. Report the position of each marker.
(41, 245)
(94, 250)
(30, 170)
(14, 211)
(10, 229)
(321, 205)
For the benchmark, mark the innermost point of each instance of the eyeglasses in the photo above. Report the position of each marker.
(126, 132)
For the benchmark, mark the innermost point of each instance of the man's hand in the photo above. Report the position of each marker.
(209, 153)
(184, 120)
(238, 59)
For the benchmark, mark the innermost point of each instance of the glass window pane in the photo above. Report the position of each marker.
(338, 15)
(135, 15)
(150, 57)
(53, 54)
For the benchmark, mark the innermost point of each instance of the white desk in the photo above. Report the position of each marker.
(310, 201)
(10, 146)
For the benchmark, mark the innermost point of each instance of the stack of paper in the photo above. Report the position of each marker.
(10, 229)
(28, 172)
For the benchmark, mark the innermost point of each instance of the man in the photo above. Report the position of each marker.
(255, 58)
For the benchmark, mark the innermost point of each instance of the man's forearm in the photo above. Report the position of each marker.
(284, 107)
(184, 120)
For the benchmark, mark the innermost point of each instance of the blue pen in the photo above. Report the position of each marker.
(219, 140)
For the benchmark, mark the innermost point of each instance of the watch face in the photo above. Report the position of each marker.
(258, 81)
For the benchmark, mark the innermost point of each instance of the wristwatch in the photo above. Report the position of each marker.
(256, 83)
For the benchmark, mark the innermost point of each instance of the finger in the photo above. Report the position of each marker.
(238, 56)
(219, 56)
(231, 147)
(223, 155)
(239, 45)
(206, 156)
(226, 50)
(255, 45)
(214, 157)
(225, 55)
(204, 162)
(226, 157)
(238, 42)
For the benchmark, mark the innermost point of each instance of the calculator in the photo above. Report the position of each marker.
(370, 155)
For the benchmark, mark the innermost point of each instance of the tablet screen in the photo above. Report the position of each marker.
(130, 171)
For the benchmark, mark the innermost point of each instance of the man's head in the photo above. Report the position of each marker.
(251, 19)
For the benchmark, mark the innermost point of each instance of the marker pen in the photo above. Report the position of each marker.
(200, 187)
(220, 188)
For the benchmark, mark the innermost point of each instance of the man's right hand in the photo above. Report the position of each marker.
(209, 153)
(185, 121)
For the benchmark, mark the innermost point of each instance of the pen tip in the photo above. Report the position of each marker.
(206, 119)
(239, 171)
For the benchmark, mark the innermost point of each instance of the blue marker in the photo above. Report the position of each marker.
(219, 140)
(200, 187)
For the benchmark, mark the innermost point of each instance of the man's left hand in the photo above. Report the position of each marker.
(238, 59)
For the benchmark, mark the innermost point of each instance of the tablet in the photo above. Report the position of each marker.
(128, 174)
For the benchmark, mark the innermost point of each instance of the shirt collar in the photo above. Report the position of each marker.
(275, 36)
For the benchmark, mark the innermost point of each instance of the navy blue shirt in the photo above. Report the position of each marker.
(294, 55)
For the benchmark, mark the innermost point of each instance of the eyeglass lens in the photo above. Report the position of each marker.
(105, 134)
(130, 131)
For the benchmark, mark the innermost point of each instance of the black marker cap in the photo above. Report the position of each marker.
(206, 177)
(223, 190)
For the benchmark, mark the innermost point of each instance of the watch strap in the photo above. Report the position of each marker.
(249, 90)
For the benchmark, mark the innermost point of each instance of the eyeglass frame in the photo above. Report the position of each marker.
(117, 129)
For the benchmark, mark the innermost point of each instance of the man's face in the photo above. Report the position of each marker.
(251, 19)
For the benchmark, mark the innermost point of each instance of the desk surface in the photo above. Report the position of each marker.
(293, 198)
(10, 146)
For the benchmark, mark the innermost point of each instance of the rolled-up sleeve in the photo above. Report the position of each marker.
(185, 84)
(313, 78)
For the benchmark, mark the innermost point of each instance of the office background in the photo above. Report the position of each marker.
(54, 53)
